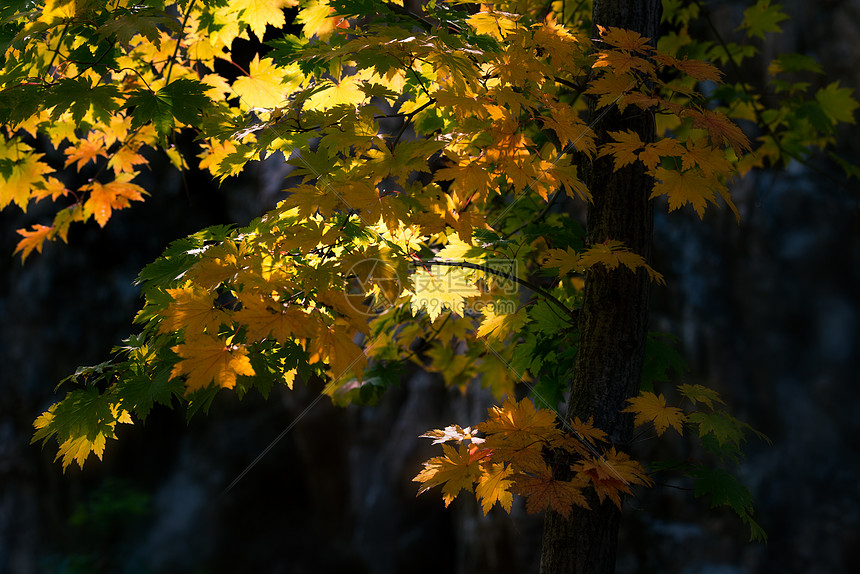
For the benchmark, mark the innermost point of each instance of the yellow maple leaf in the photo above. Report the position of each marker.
(497, 325)
(266, 86)
(27, 176)
(624, 150)
(649, 407)
(317, 20)
(612, 253)
(346, 91)
(456, 470)
(104, 198)
(494, 486)
(495, 24)
(207, 359)
(686, 187)
(261, 13)
(334, 347)
(441, 287)
(32, 240)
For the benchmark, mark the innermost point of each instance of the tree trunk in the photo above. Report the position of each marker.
(613, 317)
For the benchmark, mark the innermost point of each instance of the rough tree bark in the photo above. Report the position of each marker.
(613, 317)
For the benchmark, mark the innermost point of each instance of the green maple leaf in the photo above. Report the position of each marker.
(762, 18)
(146, 106)
(148, 22)
(142, 390)
(78, 95)
(726, 490)
(837, 103)
(188, 99)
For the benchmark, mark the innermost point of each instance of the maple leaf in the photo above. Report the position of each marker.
(612, 253)
(494, 486)
(520, 423)
(441, 287)
(625, 39)
(566, 260)
(725, 428)
(495, 24)
(654, 152)
(104, 198)
(685, 187)
(88, 149)
(26, 174)
(762, 18)
(837, 103)
(697, 69)
(457, 470)
(624, 150)
(32, 240)
(720, 128)
(710, 160)
(334, 347)
(206, 359)
(192, 309)
(543, 491)
(263, 319)
(124, 159)
(453, 432)
(587, 431)
(649, 407)
(498, 326)
(726, 490)
(700, 394)
(266, 85)
(611, 474)
(261, 13)
(622, 62)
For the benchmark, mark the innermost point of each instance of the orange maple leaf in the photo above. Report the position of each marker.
(621, 62)
(88, 149)
(520, 423)
(721, 129)
(207, 359)
(192, 309)
(32, 240)
(611, 474)
(543, 491)
(264, 318)
(649, 407)
(697, 69)
(104, 198)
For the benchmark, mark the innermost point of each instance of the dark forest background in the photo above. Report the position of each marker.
(767, 312)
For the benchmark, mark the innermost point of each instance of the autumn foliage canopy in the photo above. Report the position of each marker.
(433, 152)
